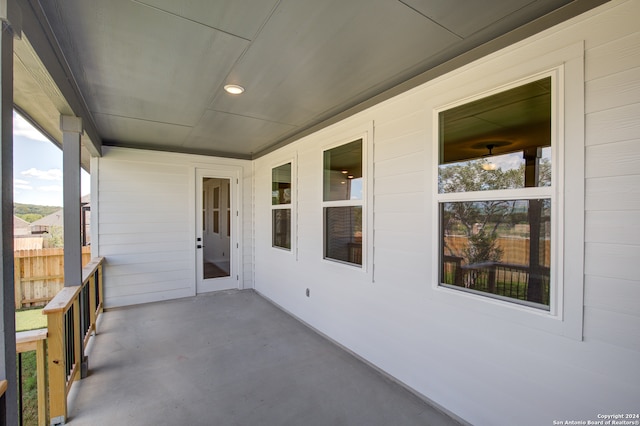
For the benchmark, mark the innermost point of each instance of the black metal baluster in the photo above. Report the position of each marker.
(20, 405)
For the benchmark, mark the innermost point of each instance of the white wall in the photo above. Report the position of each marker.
(144, 223)
(477, 359)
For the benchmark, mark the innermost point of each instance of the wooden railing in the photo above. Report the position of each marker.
(71, 319)
(502, 279)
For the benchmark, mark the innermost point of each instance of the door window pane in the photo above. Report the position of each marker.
(216, 197)
(216, 221)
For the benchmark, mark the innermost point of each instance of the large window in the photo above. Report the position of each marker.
(343, 203)
(496, 194)
(281, 206)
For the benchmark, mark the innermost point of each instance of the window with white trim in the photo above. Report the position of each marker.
(343, 202)
(496, 193)
(281, 206)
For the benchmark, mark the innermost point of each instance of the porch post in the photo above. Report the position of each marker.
(10, 28)
(71, 131)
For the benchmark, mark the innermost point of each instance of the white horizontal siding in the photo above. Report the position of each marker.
(613, 159)
(612, 294)
(613, 125)
(399, 166)
(138, 218)
(247, 228)
(612, 203)
(481, 367)
(613, 227)
(619, 55)
(613, 91)
(146, 227)
(150, 294)
(134, 198)
(146, 224)
(613, 327)
(144, 268)
(612, 260)
(148, 258)
(613, 193)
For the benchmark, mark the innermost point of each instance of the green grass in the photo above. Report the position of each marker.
(30, 319)
(29, 389)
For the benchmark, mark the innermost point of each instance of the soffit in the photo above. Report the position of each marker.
(37, 98)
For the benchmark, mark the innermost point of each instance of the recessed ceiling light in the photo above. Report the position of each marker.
(234, 89)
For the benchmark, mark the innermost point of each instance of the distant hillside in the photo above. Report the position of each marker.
(33, 212)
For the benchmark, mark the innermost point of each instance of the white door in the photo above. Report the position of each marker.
(216, 230)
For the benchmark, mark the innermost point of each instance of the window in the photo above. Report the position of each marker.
(343, 203)
(281, 206)
(496, 194)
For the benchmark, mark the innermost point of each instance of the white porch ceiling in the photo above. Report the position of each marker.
(149, 73)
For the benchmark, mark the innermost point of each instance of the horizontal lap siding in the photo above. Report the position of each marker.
(246, 229)
(612, 217)
(481, 367)
(143, 229)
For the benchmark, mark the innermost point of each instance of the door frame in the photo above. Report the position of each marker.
(235, 271)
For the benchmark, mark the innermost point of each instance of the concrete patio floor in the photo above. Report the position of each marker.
(231, 358)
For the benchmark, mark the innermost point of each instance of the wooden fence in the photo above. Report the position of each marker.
(515, 250)
(39, 274)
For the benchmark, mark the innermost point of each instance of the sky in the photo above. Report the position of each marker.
(37, 167)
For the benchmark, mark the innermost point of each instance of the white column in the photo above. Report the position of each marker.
(10, 27)
(71, 131)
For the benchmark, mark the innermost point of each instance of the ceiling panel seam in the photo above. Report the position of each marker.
(142, 3)
(252, 117)
(141, 119)
(506, 17)
(431, 20)
(531, 28)
(227, 80)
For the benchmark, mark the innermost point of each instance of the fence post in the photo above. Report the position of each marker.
(17, 282)
(57, 368)
(491, 280)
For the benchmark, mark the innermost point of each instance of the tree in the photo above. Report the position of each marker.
(22, 209)
(479, 220)
(56, 237)
(483, 247)
(30, 217)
